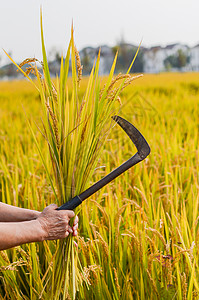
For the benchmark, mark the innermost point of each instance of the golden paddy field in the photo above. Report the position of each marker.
(139, 236)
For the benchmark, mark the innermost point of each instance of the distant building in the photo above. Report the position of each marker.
(154, 57)
(194, 58)
(106, 60)
(154, 60)
(173, 57)
(89, 54)
(173, 48)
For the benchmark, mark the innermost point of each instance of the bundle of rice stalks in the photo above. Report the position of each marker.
(75, 129)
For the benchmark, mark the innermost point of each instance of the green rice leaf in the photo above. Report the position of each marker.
(45, 62)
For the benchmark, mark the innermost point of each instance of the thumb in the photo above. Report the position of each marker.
(51, 207)
(70, 213)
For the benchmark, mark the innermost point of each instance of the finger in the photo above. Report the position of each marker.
(70, 230)
(70, 213)
(75, 227)
(76, 220)
(75, 233)
(52, 206)
(66, 234)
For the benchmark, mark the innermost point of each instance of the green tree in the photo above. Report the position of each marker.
(182, 58)
(178, 60)
(86, 62)
(125, 54)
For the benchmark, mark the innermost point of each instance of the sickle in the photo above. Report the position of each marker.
(143, 151)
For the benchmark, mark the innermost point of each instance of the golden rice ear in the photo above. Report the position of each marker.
(79, 66)
(32, 68)
(76, 124)
(28, 61)
(162, 194)
(55, 123)
(21, 70)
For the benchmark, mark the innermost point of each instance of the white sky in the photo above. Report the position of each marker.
(95, 23)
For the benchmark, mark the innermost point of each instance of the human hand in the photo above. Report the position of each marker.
(55, 224)
(75, 226)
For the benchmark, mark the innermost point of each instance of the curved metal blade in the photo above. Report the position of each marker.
(143, 150)
(136, 137)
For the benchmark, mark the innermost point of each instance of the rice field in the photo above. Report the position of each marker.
(138, 236)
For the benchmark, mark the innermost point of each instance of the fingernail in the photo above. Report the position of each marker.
(75, 233)
(70, 230)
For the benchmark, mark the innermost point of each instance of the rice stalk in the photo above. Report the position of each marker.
(66, 123)
(162, 105)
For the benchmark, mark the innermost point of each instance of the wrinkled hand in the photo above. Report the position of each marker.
(55, 223)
